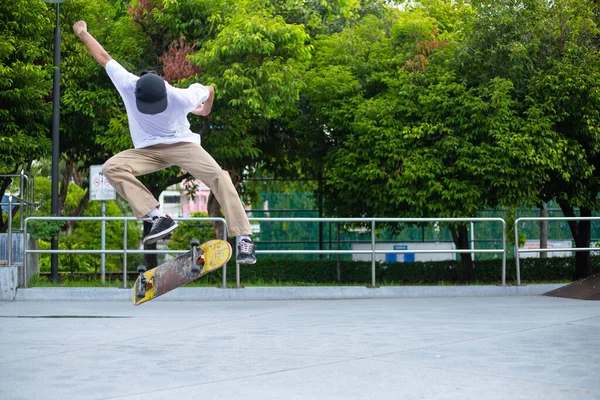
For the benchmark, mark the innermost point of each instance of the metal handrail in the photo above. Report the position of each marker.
(123, 251)
(546, 250)
(373, 251)
(26, 193)
(25, 202)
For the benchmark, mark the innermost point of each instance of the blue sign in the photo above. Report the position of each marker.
(5, 203)
(400, 257)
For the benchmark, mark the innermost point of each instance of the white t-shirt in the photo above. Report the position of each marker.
(171, 125)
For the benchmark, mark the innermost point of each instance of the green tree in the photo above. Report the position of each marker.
(25, 82)
(412, 138)
(549, 52)
(295, 145)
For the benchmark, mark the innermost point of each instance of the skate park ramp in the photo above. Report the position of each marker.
(584, 289)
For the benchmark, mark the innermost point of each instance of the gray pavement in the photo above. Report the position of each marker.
(510, 347)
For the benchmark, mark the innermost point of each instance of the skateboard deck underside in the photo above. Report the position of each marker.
(178, 271)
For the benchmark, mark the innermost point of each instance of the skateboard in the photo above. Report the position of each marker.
(202, 259)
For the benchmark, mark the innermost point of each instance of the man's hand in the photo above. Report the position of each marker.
(79, 28)
(97, 51)
(205, 108)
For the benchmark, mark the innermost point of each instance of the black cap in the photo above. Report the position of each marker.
(151, 94)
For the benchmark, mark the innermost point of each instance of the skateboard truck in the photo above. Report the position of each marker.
(197, 256)
(141, 289)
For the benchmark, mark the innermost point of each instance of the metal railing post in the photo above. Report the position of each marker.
(103, 245)
(237, 266)
(517, 252)
(472, 234)
(25, 243)
(9, 255)
(124, 254)
(503, 253)
(23, 198)
(373, 246)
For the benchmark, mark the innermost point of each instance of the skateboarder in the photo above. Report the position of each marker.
(157, 114)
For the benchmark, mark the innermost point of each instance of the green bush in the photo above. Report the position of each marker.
(275, 270)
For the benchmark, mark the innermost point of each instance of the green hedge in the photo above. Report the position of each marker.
(324, 272)
(359, 272)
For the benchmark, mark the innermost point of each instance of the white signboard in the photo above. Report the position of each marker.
(100, 188)
(552, 244)
(405, 257)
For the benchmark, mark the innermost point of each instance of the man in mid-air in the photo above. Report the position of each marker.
(157, 114)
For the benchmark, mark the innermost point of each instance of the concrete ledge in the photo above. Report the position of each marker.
(284, 293)
(8, 282)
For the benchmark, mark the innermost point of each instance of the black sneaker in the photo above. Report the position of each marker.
(161, 227)
(246, 253)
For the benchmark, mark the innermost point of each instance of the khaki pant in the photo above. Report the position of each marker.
(122, 169)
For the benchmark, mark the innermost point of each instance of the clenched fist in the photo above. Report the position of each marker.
(80, 27)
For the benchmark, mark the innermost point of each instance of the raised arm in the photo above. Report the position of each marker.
(205, 108)
(97, 51)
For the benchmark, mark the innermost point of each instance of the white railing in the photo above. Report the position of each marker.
(373, 251)
(24, 203)
(124, 251)
(546, 250)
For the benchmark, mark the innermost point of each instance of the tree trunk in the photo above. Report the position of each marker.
(63, 189)
(460, 235)
(581, 231)
(543, 230)
(68, 227)
(69, 174)
(214, 211)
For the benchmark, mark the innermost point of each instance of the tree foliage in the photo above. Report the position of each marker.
(25, 84)
(427, 120)
(549, 51)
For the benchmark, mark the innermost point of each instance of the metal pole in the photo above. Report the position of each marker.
(373, 254)
(237, 266)
(29, 199)
(23, 200)
(25, 243)
(103, 245)
(31, 194)
(125, 254)
(472, 240)
(55, 138)
(9, 230)
(517, 253)
(503, 253)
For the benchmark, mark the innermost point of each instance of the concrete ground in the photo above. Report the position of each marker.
(510, 347)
